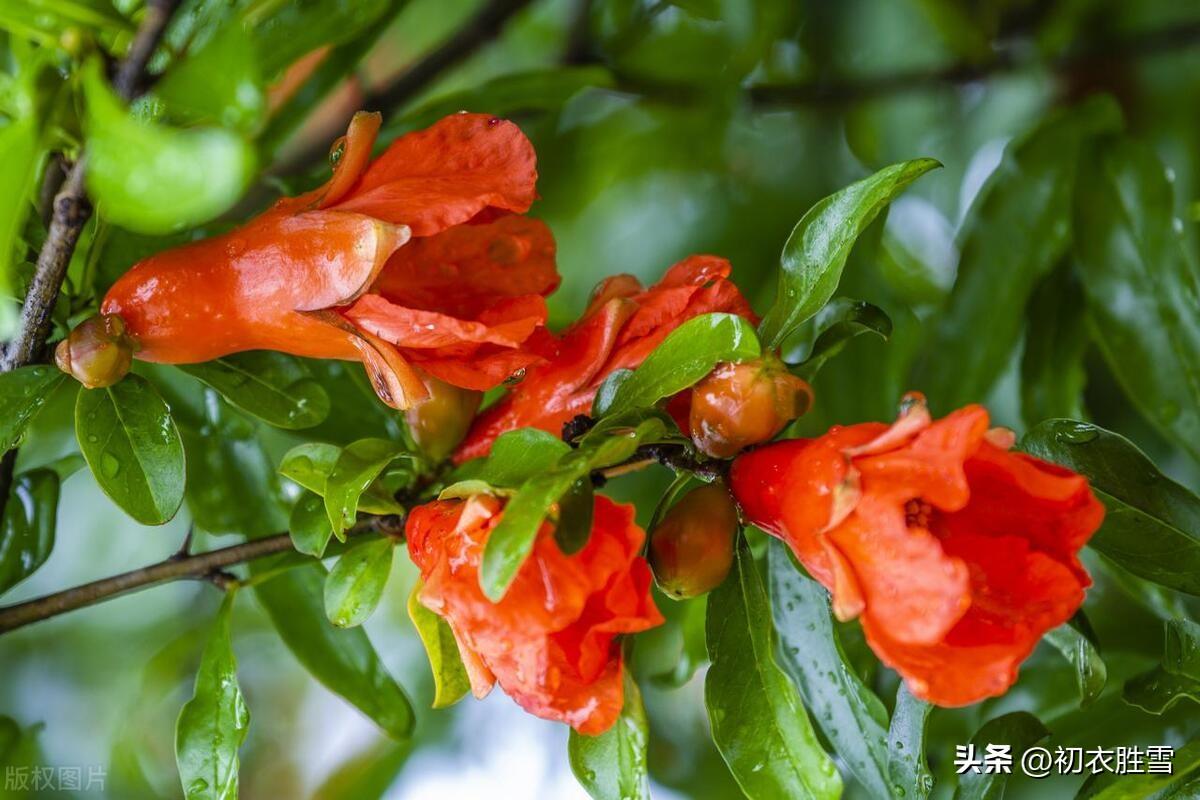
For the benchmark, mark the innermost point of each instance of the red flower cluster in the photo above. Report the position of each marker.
(551, 642)
(956, 553)
(622, 324)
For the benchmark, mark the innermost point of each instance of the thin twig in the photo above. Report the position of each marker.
(480, 29)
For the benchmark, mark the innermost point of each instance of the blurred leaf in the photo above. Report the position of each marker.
(342, 659)
(285, 32)
(574, 523)
(357, 466)
(835, 325)
(686, 355)
(213, 724)
(133, 448)
(758, 722)
(1077, 642)
(45, 21)
(1181, 647)
(355, 584)
(23, 392)
(1018, 229)
(367, 775)
(511, 541)
(612, 765)
(906, 747)
(218, 83)
(688, 616)
(1152, 526)
(309, 465)
(1020, 730)
(274, 387)
(1142, 285)
(817, 249)
(152, 178)
(27, 529)
(1157, 690)
(309, 525)
(518, 455)
(1056, 338)
(1179, 784)
(450, 680)
(849, 714)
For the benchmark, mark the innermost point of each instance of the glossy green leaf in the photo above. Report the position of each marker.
(1182, 783)
(27, 529)
(450, 680)
(1142, 285)
(342, 659)
(574, 523)
(1152, 524)
(1018, 229)
(355, 584)
(1156, 690)
(285, 32)
(217, 83)
(686, 355)
(1020, 730)
(758, 722)
(512, 539)
(849, 714)
(816, 251)
(612, 765)
(1077, 642)
(518, 455)
(309, 465)
(356, 468)
(272, 386)
(152, 178)
(23, 392)
(309, 525)
(836, 324)
(907, 768)
(1181, 647)
(213, 724)
(1056, 337)
(133, 448)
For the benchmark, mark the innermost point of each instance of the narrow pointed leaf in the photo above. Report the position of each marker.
(450, 680)
(612, 765)
(1077, 642)
(907, 768)
(357, 466)
(274, 387)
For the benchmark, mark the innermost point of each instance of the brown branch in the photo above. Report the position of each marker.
(480, 29)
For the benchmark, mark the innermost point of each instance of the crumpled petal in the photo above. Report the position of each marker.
(416, 329)
(444, 175)
(550, 642)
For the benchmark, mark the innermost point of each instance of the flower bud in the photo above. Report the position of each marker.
(738, 405)
(98, 352)
(440, 422)
(691, 550)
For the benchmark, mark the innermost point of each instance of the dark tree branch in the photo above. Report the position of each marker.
(480, 29)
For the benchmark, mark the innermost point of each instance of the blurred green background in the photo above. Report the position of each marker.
(662, 129)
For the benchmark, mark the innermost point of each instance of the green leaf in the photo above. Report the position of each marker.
(518, 455)
(1142, 285)
(1152, 524)
(213, 724)
(27, 529)
(152, 178)
(1156, 690)
(574, 523)
(906, 747)
(133, 448)
(849, 714)
(356, 468)
(23, 392)
(1018, 229)
(686, 355)
(355, 584)
(274, 387)
(1180, 784)
(687, 617)
(285, 32)
(1056, 337)
(217, 83)
(450, 680)
(342, 659)
(836, 324)
(45, 21)
(1181, 647)
(758, 722)
(309, 465)
(816, 251)
(1077, 642)
(309, 525)
(1019, 730)
(612, 765)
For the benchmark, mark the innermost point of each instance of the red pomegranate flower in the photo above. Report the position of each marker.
(622, 324)
(333, 273)
(957, 554)
(551, 642)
